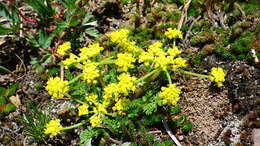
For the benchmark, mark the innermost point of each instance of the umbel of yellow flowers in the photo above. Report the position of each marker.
(170, 95)
(64, 48)
(56, 87)
(53, 128)
(173, 33)
(218, 76)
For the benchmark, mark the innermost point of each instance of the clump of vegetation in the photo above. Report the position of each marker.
(123, 88)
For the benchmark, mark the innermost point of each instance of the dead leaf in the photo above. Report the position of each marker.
(15, 100)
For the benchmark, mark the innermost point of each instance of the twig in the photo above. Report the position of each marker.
(62, 72)
(170, 133)
(155, 132)
(21, 62)
(240, 9)
(189, 30)
(185, 9)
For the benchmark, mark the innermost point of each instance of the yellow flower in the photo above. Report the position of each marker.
(111, 90)
(63, 48)
(120, 105)
(83, 109)
(56, 87)
(131, 47)
(155, 49)
(179, 62)
(90, 51)
(100, 108)
(95, 120)
(69, 61)
(53, 128)
(90, 71)
(126, 83)
(173, 52)
(119, 36)
(162, 62)
(146, 57)
(125, 60)
(92, 98)
(173, 33)
(170, 95)
(218, 76)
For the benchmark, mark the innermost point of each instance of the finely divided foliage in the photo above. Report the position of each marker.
(115, 100)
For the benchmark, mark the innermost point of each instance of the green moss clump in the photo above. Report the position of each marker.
(243, 44)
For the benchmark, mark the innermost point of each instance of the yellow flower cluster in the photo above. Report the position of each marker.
(218, 76)
(120, 105)
(83, 109)
(173, 33)
(179, 62)
(124, 61)
(90, 51)
(126, 84)
(90, 71)
(173, 52)
(100, 108)
(170, 95)
(121, 38)
(69, 61)
(53, 128)
(63, 48)
(56, 87)
(153, 51)
(91, 98)
(95, 120)
(162, 59)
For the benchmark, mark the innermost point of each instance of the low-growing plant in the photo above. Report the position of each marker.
(5, 105)
(121, 90)
(34, 120)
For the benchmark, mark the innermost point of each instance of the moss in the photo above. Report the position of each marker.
(197, 59)
(223, 52)
(203, 37)
(251, 6)
(243, 44)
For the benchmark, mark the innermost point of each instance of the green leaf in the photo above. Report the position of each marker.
(4, 69)
(42, 7)
(5, 13)
(2, 100)
(175, 109)
(87, 134)
(68, 75)
(9, 108)
(150, 108)
(186, 126)
(91, 32)
(2, 91)
(11, 89)
(69, 4)
(45, 39)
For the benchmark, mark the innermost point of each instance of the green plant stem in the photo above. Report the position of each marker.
(76, 79)
(147, 75)
(174, 43)
(74, 126)
(79, 101)
(106, 61)
(168, 77)
(193, 74)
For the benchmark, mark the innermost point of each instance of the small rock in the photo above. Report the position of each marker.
(256, 136)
